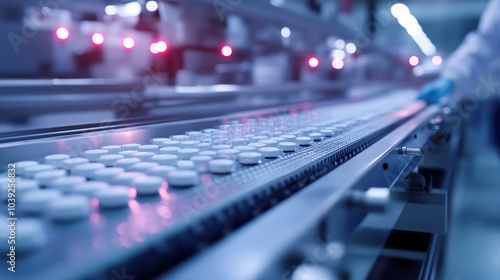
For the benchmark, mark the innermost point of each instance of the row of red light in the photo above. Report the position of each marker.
(128, 42)
(414, 60)
(336, 63)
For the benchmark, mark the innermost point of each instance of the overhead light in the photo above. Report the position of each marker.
(110, 10)
(340, 44)
(410, 23)
(340, 54)
(437, 60)
(285, 32)
(337, 63)
(350, 48)
(131, 9)
(151, 6)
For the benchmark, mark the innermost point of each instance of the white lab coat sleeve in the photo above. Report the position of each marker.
(477, 51)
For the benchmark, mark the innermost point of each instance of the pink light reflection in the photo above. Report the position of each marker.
(95, 218)
(125, 242)
(134, 205)
(121, 229)
(163, 193)
(163, 211)
(132, 193)
(94, 204)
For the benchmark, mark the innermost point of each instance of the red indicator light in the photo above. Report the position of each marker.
(62, 33)
(97, 38)
(313, 62)
(226, 51)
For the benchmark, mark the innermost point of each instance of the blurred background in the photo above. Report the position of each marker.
(95, 65)
(72, 49)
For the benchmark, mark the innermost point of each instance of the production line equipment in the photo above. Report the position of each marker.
(332, 190)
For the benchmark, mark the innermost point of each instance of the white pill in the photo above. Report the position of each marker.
(112, 149)
(182, 178)
(144, 156)
(126, 178)
(201, 161)
(180, 137)
(220, 147)
(22, 165)
(165, 159)
(287, 146)
(245, 148)
(169, 150)
(270, 152)
(73, 162)
(107, 174)
(87, 169)
(316, 136)
(161, 170)
(195, 135)
(126, 163)
(66, 184)
(250, 158)
(30, 235)
(269, 143)
(171, 143)
(289, 138)
(29, 172)
(203, 146)
(187, 153)
(109, 160)
(221, 166)
(22, 186)
(208, 153)
(189, 144)
(128, 154)
(69, 208)
(45, 177)
(149, 148)
(94, 155)
(238, 142)
(36, 202)
(130, 147)
(89, 188)
(257, 145)
(115, 197)
(279, 139)
(326, 132)
(257, 138)
(186, 165)
(147, 185)
(143, 166)
(303, 140)
(56, 160)
(228, 153)
(159, 141)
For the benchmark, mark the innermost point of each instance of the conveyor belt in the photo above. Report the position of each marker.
(158, 232)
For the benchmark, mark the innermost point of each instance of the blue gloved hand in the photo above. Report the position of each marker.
(433, 91)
